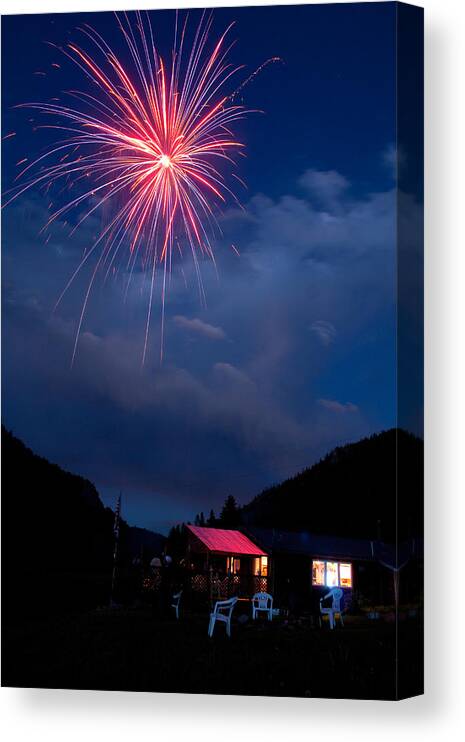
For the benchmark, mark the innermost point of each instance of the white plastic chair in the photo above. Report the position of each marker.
(175, 604)
(335, 608)
(262, 602)
(222, 612)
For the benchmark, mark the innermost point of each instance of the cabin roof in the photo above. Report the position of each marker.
(225, 541)
(315, 545)
(312, 544)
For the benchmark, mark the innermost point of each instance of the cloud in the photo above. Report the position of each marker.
(325, 331)
(327, 186)
(199, 327)
(339, 407)
(290, 229)
(231, 374)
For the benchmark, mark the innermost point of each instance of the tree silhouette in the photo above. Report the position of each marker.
(369, 489)
(230, 515)
(176, 542)
(199, 519)
(60, 529)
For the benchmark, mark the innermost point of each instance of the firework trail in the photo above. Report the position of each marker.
(251, 77)
(149, 139)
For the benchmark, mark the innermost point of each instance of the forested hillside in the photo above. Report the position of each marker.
(369, 489)
(57, 539)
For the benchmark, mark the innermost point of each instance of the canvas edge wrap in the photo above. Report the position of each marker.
(409, 276)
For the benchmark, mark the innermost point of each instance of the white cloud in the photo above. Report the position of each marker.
(339, 407)
(199, 327)
(231, 373)
(325, 331)
(328, 186)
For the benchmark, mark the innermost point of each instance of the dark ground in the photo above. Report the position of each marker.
(131, 650)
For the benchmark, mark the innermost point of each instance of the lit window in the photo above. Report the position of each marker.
(318, 575)
(331, 574)
(233, 565)
(261, 566)
(345, 575)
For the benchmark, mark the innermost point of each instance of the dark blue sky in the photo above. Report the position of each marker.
(295, 351)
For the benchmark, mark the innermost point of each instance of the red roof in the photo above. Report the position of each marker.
(224, 541)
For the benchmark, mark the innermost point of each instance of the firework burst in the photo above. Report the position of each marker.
(151, 145)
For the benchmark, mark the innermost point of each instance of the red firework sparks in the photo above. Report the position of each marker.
(151, 138)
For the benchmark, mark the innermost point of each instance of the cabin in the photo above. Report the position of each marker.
(298, 568)
(225, 562)
(303, 566)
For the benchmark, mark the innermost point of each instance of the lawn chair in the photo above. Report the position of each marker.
(175, 604)
(262, 602)
(222, 612)
(334, 609)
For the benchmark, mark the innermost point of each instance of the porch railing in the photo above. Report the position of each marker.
(219, 586)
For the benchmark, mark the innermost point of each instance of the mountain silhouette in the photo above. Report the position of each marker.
(369, 489)
(58, 538)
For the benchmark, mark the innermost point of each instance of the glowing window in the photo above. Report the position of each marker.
(345, 575)
(331, 574)
(233, 565)
(318, 573)
(261, 566)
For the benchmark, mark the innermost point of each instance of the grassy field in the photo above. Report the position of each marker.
(131, 650)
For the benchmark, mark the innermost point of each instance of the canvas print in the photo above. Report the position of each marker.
(212, 346)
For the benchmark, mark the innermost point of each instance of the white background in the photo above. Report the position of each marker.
(71, 715)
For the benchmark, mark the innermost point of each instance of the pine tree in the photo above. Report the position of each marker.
(230, 514)
(199, 519)
(176, 543)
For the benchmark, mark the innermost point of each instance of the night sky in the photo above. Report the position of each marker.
(295, 351)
